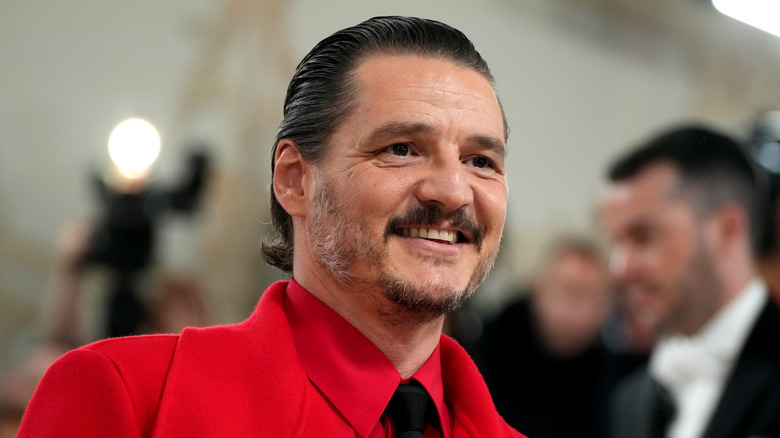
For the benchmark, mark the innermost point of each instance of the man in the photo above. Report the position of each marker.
(389, 197)
(543, 357)
(682, 212)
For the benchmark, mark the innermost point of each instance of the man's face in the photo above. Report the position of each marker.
(662, 254)
(411, 196)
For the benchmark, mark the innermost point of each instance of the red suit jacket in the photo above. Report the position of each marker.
(239, 380)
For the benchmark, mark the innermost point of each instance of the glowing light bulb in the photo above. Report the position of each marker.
(763, 14)
(133, 146)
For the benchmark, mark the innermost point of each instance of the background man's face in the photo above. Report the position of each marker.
(572, 300)
(427, 136)
(661, 254)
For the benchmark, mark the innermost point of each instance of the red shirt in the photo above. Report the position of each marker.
(350, 371)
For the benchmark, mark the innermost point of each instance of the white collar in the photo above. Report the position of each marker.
(715, 347)
(694, 369)
(727, 331)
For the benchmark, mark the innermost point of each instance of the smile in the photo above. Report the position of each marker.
(448, 236)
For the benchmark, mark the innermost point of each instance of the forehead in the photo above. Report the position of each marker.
(418, 89)
(576, 263)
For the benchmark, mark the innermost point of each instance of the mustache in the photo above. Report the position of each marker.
(432, 215)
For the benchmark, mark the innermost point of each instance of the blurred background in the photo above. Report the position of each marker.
(581, 80)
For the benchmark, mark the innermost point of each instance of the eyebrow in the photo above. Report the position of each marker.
(395, 129)
(491, 144)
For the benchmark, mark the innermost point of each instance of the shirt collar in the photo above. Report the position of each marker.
(712, 351)
(727, 332)
(349, 370)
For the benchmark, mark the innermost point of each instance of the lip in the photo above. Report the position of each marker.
(641, 295)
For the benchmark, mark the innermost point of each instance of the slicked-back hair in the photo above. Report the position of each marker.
(714, 169)
(322, 94)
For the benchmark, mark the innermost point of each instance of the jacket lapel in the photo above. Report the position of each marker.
(755, 375)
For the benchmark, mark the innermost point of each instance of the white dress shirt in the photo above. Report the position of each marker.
(694, 368)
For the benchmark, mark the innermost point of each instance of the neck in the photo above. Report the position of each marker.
(736, 274)
(407, 345)
(768, 267)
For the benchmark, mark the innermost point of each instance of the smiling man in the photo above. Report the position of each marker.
(682, 210)
(389, 197)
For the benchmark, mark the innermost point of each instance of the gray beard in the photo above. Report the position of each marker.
(338, 250)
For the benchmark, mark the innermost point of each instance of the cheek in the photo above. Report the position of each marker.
(491, 201)
(371, 202)
(675, 255)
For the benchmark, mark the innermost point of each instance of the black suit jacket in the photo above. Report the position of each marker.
(749, 406)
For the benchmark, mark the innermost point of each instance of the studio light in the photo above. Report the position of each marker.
(762, 14)
(134, 146)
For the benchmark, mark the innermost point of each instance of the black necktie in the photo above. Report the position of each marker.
(409, 409)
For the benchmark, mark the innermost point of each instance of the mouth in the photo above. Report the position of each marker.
(440, 235)
(432, 224)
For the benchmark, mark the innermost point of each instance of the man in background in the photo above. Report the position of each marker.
(682, 211)
(389, 198)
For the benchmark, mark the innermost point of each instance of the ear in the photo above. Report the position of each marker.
(291, 177)
(729, 228)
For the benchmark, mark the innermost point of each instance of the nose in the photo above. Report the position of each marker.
(447, 184)
(623, 264)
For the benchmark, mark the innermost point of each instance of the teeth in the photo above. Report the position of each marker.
(430, 233)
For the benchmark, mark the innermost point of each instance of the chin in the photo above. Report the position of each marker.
(421, 301)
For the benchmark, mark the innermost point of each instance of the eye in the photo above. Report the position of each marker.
(482, 163)
(643, 235)
(399, 149)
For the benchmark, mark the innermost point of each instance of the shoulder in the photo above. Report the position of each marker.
(130, 350)
(141, 363)
(114, 384)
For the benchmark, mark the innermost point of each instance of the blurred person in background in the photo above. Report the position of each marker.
(389, 198)
(682, 210)
(172, 301)
(544, 358)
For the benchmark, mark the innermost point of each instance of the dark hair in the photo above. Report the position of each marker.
(714, 169)
(321, 93)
